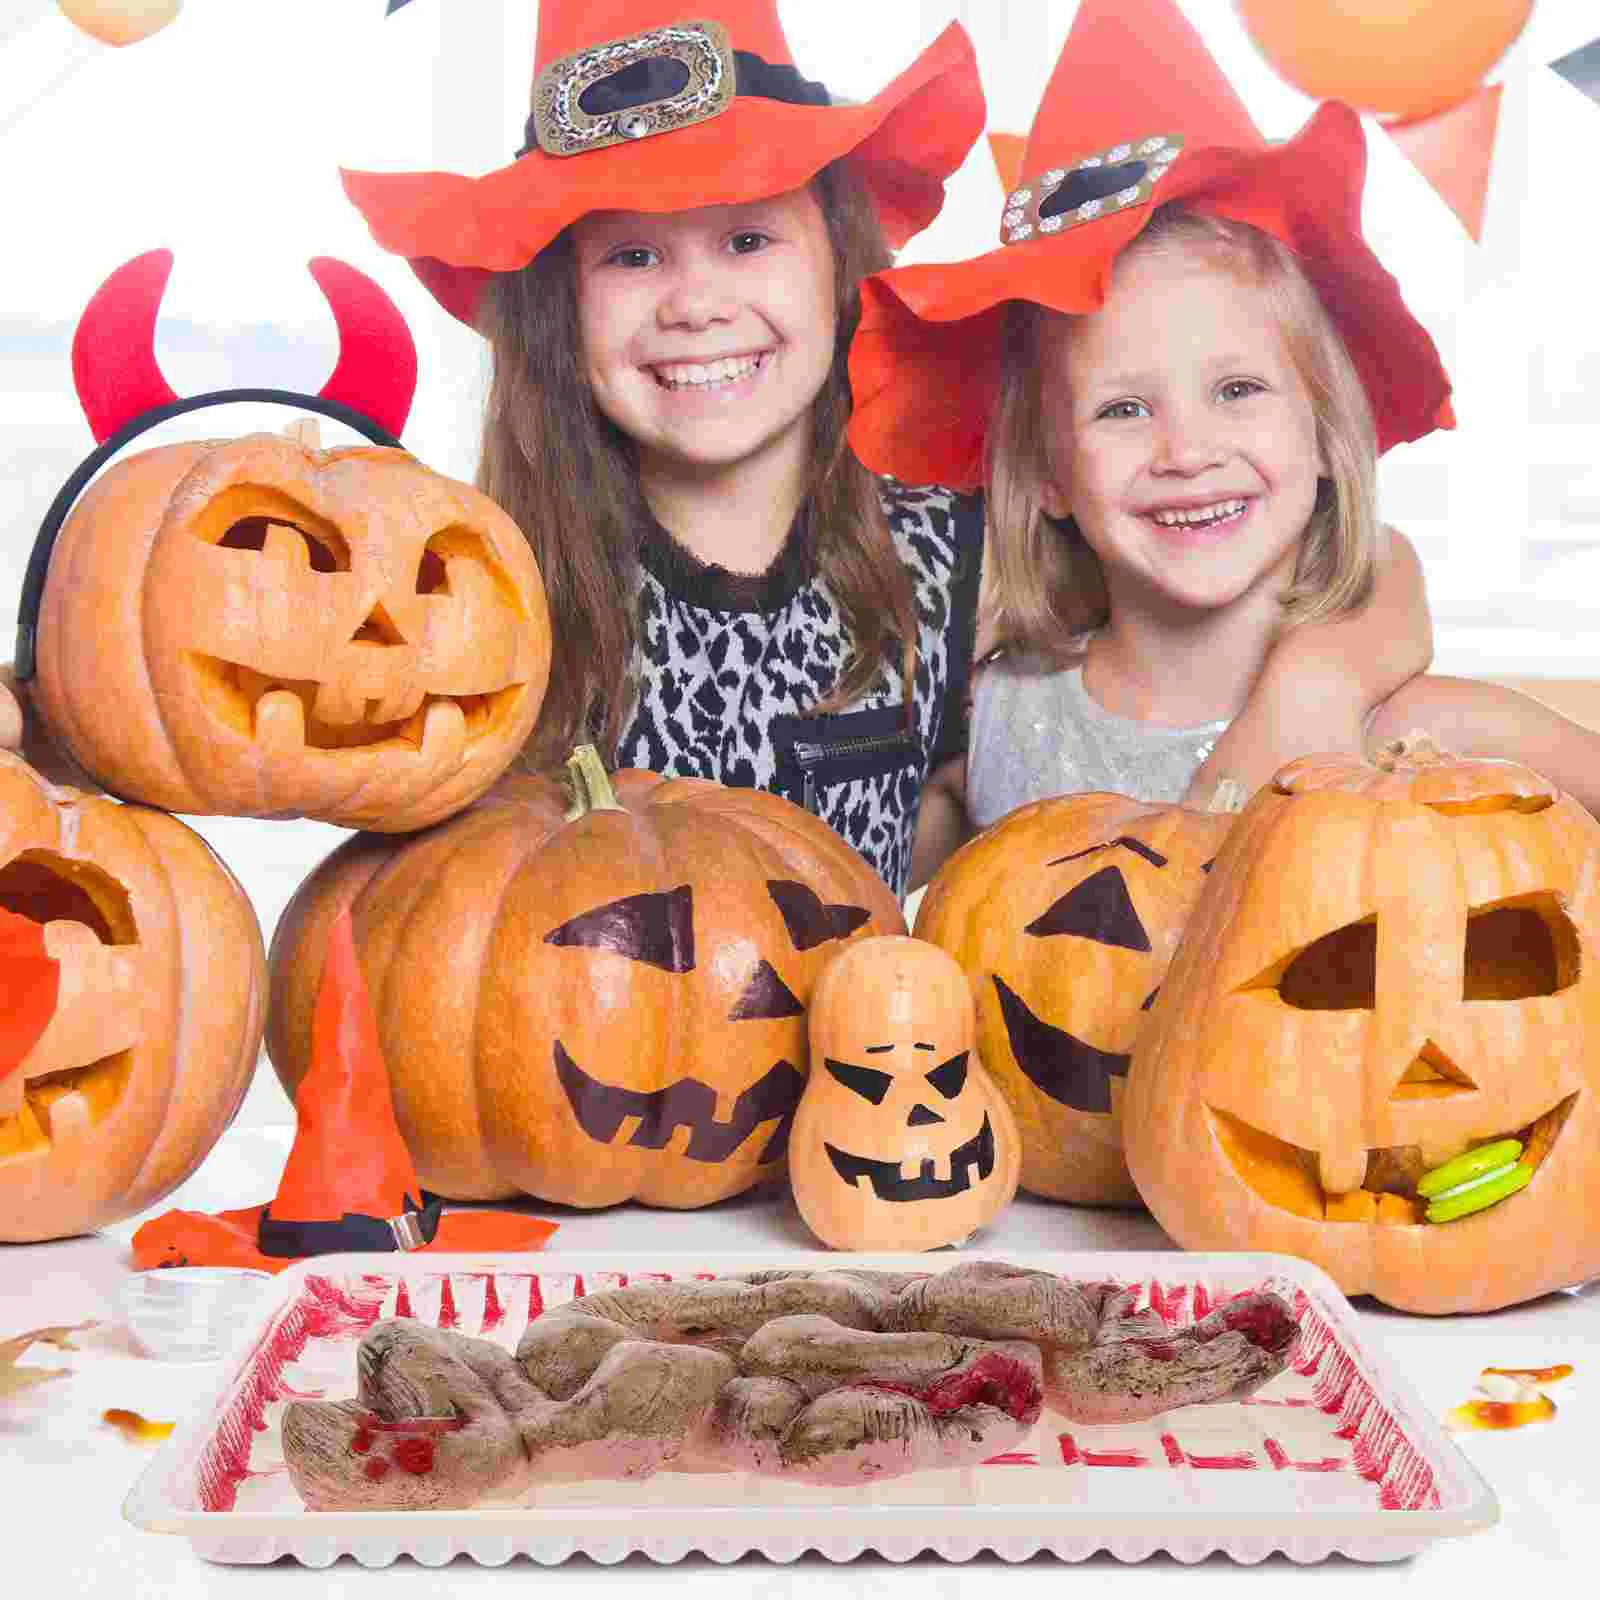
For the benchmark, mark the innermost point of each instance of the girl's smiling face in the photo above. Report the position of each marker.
(707, 334)
(1182, 437)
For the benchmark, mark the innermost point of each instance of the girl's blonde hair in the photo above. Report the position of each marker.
(567, 476)
(1045, 588)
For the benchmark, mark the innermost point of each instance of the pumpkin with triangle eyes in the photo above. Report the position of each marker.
(588, 1000)
(902, 1141)
(134, 985)
(1064, 916)
(1392, 967)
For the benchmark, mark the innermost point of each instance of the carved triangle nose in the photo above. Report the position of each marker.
(921, 1116)
(379, 628)
(1433, 1076)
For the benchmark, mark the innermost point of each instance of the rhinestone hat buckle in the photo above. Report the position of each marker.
(561, 125)
(1097, 186)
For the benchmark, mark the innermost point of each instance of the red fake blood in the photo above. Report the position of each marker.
(414, 1456)
(448, 1316)
(991, 1380)
(493, 1312)
(402, 1301)
(1265, 1325)
(362, 1442)
(413, 1424)
(377, 1469)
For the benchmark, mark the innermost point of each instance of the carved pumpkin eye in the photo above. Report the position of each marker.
(867, 1082)
(1338, 972)
(326, 554)
(1519, 949)
(657, 929)
(950, 1077)
(1098, 908)
(765, 995)
(809, 919)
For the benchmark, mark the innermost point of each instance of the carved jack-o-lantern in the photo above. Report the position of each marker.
(595, 1004)
(1387, 969)
(1064, 916)
(258, 627)
(902, 1141)
(157, 1016)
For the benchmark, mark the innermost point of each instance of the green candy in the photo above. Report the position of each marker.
(1467, 1166)
(1480, 1195)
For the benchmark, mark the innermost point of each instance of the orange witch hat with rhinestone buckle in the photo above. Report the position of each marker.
(348, 1182)
(664, 105)
(1136, 115)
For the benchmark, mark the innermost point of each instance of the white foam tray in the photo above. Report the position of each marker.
(1335, 1456)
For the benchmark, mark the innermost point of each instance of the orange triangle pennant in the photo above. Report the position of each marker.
(30, 981)
(1452, 150)
(1006, 148)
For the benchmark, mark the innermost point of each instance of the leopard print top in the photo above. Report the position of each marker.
(732, 664)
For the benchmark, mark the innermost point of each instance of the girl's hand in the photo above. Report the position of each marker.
(1323, 681)
(22, 730)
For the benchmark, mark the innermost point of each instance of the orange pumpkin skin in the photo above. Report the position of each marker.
(158, 1019)
(674, 985)
(1387, 967)
(1046, 912)
(896, 1083)
(252, 627)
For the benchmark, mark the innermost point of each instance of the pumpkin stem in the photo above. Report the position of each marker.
(305, 432)
(1417, 749)
(591, 788)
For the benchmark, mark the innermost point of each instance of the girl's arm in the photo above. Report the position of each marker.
(1322, 682)
(1470, 718)
(942, 825)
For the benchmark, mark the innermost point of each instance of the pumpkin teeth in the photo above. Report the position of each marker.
(444, 734)
(1343, 1169)
(338, 704)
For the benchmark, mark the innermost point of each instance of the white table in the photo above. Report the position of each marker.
(63, 1473)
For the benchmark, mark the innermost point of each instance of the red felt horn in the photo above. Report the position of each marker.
(113, 350)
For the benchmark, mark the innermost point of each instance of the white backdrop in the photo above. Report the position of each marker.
(221, 136)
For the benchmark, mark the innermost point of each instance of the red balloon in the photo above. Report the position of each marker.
(1398, 58)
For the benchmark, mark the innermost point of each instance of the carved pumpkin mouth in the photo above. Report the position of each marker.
(888, 1184)
(657, 1114)
(1070, 1070)
(303, 713)
(1289, 1178)
(48, 888)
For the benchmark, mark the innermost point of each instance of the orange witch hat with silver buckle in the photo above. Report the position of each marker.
(349, 1182)
(636, 107)
(1136, 115)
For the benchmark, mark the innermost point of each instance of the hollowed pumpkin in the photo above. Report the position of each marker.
(1064, 916)
(902, 1141)
(1390, 966)
(158, 1011)
(257, 627)
(589, 1007)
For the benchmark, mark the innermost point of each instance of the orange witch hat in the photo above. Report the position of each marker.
(349, 1182)
(636, 107)
(1136, 115)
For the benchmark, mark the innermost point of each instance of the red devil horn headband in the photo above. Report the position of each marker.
(114, 362)
(123, 393)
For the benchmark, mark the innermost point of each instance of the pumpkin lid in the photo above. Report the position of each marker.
(1417, 769)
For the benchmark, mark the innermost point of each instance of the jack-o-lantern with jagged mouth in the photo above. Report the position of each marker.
(902, 1141)
(589, 999)
(1391, 967)
(1064, 916)
(256, 626)
(145, 961)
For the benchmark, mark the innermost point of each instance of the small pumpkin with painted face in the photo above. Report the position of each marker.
(1392, 966)
(902, 1141)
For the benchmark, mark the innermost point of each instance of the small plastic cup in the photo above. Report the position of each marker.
(189, 1313)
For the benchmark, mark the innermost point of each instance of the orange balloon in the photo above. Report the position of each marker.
(120, 21)
(1398, 58)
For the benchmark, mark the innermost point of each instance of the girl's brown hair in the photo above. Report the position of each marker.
(567, 476)
(1045, 589)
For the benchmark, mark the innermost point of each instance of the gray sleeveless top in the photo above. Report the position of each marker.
(1037, 734)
